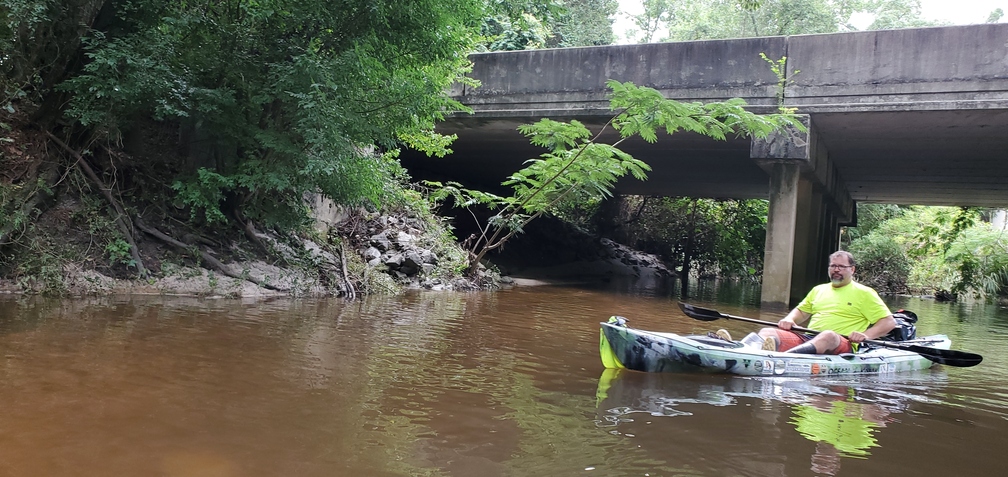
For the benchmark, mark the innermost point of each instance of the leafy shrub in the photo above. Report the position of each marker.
(881, 263)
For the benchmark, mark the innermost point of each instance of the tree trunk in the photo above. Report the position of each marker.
(688, 254)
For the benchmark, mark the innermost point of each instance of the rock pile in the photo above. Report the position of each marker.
(398, 251)
(407, 251)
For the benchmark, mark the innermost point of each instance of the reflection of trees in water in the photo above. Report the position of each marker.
(447, 383)
(420, 384)
(466, 390)
(347, 384)
(426, 384)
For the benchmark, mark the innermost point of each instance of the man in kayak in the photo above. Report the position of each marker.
(841, 307)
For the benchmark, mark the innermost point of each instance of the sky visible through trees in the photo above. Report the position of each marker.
(961, 12)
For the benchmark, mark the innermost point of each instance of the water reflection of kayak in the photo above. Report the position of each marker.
(664, 394)
(845, 413)
(640, 350)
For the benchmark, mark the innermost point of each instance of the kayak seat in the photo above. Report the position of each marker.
(715, 341)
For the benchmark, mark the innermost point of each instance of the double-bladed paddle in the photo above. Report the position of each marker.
(949, 357)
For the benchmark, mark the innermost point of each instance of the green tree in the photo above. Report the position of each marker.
(704, 237)
(946, 251)
(890, 14)
(586, 23)
(722, 19)
(531, 24)
(881, 263)
(712, 19)
(995, 16)
(519, 24)
(869, 218)
(214, 119)
(273, 99)
(657, 14)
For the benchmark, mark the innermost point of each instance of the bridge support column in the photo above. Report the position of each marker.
(789, 194)
(808, 203)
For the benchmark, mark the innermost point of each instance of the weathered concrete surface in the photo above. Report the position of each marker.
(923, 69)
(572, 81)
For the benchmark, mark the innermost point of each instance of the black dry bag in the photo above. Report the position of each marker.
(905, 328)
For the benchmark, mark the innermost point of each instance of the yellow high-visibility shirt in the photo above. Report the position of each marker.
(853, 307)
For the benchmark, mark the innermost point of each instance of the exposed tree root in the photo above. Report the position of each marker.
(350, 293)
(252, 234)
(206, 257)
(120, 216)
(248, 228)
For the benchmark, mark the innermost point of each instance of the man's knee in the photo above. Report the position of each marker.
(830, 338)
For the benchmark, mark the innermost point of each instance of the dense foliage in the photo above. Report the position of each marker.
(280, 99)
(712, 237)
(944, 251)
(214, 117)
(530, 24)
(586, 23)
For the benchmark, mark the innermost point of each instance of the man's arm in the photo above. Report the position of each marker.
(795, 317)
(878, 330)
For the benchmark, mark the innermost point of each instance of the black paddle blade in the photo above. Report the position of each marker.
(949, 357)
(700, 313)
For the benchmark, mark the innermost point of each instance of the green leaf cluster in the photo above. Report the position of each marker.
(531, 24)
(644, 112)
(275, 99)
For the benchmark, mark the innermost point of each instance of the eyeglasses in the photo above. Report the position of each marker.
(839, 267)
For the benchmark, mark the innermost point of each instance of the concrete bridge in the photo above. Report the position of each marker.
(915, 116)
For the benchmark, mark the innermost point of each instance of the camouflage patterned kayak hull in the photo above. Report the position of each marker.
(651, 351)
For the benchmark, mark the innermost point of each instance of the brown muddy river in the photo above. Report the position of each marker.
(451, 384)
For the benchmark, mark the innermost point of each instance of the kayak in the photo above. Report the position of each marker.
(624, 347)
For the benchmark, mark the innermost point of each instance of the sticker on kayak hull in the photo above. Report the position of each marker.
(798, 368)
(768, 367)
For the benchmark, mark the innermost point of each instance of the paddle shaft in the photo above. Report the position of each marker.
(793, 327)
